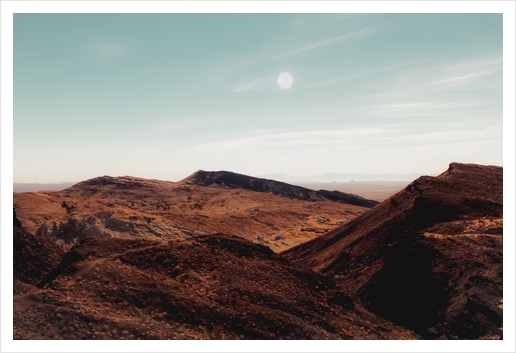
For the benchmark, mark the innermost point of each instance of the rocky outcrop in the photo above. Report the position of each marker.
(33, 256)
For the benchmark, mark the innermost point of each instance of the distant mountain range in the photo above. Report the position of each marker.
(287, 178)
(340, 177)
(32, 187)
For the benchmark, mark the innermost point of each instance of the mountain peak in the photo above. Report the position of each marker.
(121, 183)
(235, 180)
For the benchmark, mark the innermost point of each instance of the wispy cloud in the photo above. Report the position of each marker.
(408, 86)
(461, 72)
(322, 43)
(341, 79)
(461, 79)
(109, 50)
(357, 138)
(316, 137)
(426, 108)
(166, 128)
(325, 42)
(259, 84)
(455, 135)
(405, 105)
(337, 80)
(474, 63)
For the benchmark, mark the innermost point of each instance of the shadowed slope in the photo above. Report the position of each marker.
(210, 287)
(234, 180)
(33, 257)
(417, 257)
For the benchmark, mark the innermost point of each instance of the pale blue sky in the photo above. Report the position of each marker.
(162, 95)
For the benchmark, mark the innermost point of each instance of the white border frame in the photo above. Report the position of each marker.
(10, 7)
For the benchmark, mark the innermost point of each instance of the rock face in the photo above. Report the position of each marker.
(428, 258)
(33, 257)
(234, 180)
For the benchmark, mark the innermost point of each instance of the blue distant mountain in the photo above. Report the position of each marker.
(33, 187)
(343, 177)
(327, 177)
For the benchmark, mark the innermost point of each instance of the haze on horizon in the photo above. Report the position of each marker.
(162, 95)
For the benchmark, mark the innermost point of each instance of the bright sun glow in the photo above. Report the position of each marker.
(285, 80)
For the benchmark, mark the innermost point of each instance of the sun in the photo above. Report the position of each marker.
(285, 80)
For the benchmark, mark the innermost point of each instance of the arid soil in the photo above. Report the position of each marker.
(128, 207)
(209, 287)
(33, 256)
(429, 258)
(130, 258)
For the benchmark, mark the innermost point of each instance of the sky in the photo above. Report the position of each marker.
(163, 95)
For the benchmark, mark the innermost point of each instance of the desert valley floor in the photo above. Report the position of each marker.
(221, 255)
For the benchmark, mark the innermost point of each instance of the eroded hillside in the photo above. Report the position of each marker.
(429, 258)
(129, 258)
(211, 287)
(127, 207)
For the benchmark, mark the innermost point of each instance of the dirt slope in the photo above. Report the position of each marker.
(33, 256)
(210, 287)
(429, 258)
(128, 207)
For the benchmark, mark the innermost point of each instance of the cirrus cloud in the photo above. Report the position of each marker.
(109, 50)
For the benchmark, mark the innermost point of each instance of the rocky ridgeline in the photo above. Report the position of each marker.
(234, 180)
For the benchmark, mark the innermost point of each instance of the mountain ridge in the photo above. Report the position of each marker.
(127, 206)
(425, 244)
(129, 258)
(236, 180)
(282, 177)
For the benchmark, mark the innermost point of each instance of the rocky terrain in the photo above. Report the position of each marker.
(129, 258)
(133, 207)
(207, 287)
(33, 256)
(428, 258)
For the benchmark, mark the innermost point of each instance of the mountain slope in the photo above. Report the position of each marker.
(131, 207)
(234, 180)
(209, 287)
(33, 257)
(429, 257)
